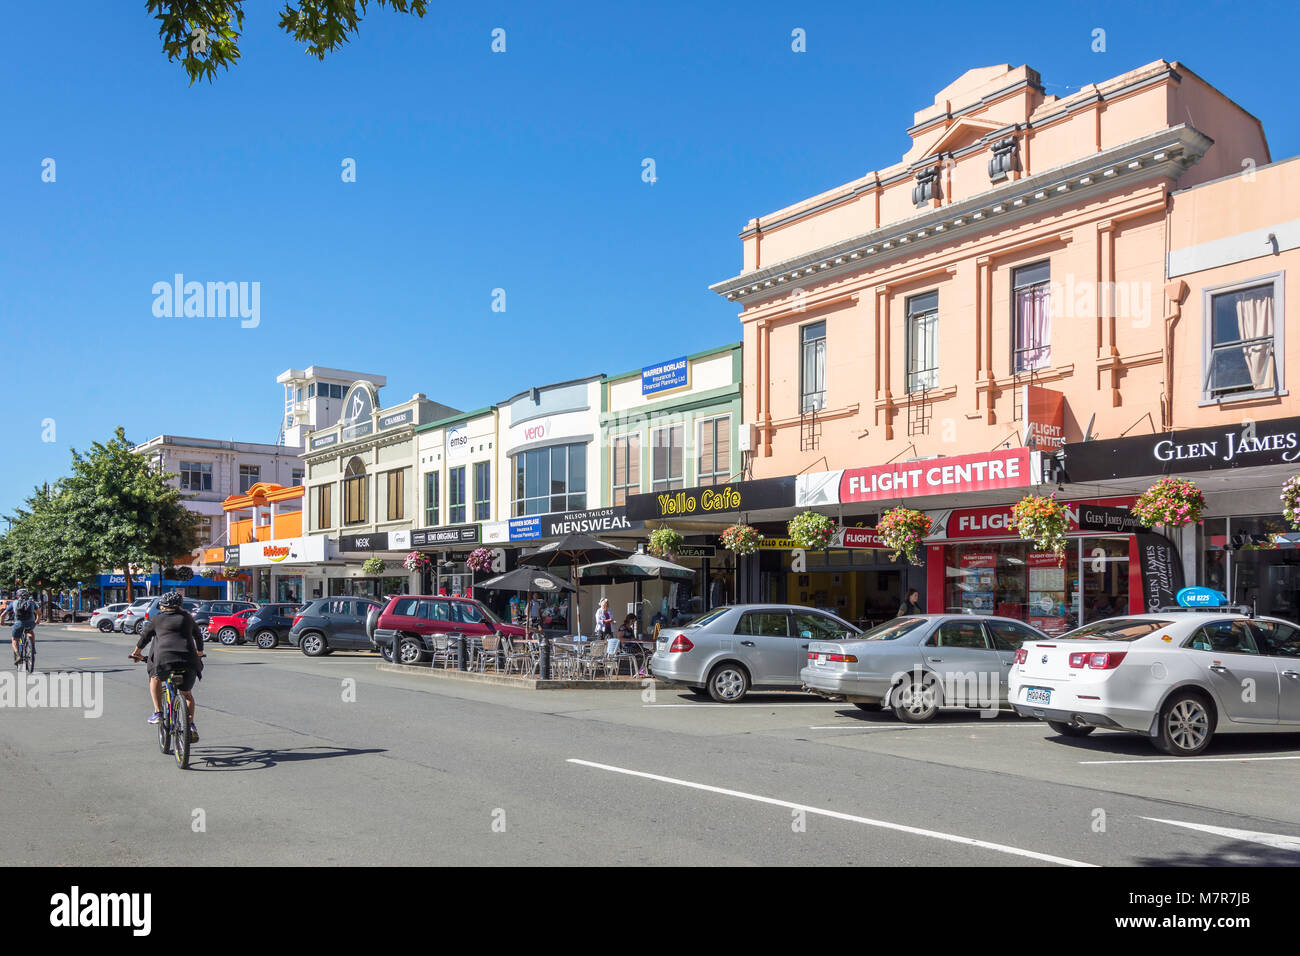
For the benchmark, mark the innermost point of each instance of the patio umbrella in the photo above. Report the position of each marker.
(526, 579)
(571, 551)
(635, 567)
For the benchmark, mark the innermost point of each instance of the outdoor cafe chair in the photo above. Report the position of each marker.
(595, 658)
(489, 654)
(444, 652)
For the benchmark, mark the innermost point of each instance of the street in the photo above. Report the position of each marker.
(298, 765)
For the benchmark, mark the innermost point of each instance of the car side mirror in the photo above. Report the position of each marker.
(806, 635)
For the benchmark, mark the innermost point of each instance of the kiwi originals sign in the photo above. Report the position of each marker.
(714, 499)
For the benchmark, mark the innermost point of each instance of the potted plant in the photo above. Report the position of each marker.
(811, 530)
(1173, 502)
(902, 530)
(1291, 501)
(664, 543)
(1042, 520)
(373, 567)
(417, 561)
(740, 539)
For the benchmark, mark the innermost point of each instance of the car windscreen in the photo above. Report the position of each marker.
(1116, 629)
(892, 630)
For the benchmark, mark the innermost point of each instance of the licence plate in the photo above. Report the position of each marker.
(1038, 695)
(819, 661)
(661, 646)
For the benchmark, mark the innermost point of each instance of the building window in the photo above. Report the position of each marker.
(550, 479)
(482, 490)
(666, 458)
(396, 481)
(456, 496)
(324, 506)
(249, 475)
(1243, 337)
(812, 367)
(296, 480)
(196, 476)
(1032, 321)
(714, 451)
(355, 493)
(203, 528)
(922, 341)
(430, 499)
(625, 466)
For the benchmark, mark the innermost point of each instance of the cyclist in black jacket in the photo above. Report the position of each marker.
(177, 642)
(23, 611)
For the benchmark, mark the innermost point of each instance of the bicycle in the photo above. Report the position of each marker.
(174, 725)
(27, 650)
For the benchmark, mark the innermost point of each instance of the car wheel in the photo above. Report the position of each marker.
(105, 626)
(410, 651)
(267, 640)
(1069, 730)
(869, 708)
(728, 683)
(227, 636)
(312, 644)
(1186, 724)
(916, 700)
(386, 652)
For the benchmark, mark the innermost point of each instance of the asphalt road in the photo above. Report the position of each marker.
(418, 771)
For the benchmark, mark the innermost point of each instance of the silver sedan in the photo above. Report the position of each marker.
(917, 664)
(731, 650)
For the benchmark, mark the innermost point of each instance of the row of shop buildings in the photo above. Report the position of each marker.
(1074, 295)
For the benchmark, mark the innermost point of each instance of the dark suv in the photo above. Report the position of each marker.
(416, 618)
(332, 624)
(208, 609)
(270, 624)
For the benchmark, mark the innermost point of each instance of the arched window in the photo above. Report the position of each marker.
(355, 492)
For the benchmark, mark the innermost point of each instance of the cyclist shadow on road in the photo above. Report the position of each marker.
(251, 758)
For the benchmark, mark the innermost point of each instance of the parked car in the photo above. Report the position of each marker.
(332, 624)
(131, 615)
(270, 623)
(135, 617)
(732, 650)
(230, 628)
(415, 618)
(103, 617)
(208, 608)
(921, 663)
(1178, 677)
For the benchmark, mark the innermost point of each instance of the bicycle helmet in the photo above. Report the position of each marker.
(171, 601)
(22, 593)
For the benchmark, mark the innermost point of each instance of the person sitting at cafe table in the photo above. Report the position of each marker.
(911, 605)
(628, 631)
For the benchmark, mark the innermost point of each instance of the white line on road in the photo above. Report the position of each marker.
(1278, 841)
(1184, 760)
(835, 814)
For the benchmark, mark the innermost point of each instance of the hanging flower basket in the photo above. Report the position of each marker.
(373, 567)
(741, 539)
(665, 542)
(811, 530)
(417, 561)
(1170, 501)
(179, 574)
(231, 571)
(1042, 520)
(1291, 501)
(902, 530)
(480, 559)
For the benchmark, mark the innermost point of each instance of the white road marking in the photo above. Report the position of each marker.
(1278, 841)
(835, 814)
(1184, 760)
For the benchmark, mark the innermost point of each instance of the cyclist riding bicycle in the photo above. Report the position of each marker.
(177, 643)
(23, 610)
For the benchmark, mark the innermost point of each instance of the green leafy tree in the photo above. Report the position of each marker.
(121, 513)
(204, 34)
(36, 552)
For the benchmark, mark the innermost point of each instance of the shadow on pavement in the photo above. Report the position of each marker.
(250, 758)
(1235, 853)
(1102, 743)
(954, 718)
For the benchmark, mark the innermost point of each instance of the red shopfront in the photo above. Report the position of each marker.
(976, 564)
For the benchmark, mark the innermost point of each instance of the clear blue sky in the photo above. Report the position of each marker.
(475, 171)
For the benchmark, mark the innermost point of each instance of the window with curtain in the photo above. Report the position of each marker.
(1243, 341)
(625, 467)
(812, 367)
(430, 499)
(324, 506)
(456, 495)
(1032, 320)
(550, 480)
(396, 481)
(923, 342)
(714, 447)
(666, 455)
(482, 490)
(356, 492)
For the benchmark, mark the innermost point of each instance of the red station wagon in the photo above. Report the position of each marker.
(416, 618)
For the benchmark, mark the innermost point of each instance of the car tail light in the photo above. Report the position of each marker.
(838, 658)
(681, 644)
(1022, 655)
(296, 620)
(1097, 660)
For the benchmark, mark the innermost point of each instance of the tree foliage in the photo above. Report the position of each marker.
(204, 34)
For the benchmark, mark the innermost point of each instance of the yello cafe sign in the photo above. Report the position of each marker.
(308, 549)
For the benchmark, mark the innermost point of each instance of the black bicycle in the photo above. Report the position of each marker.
(26, 650)
(174, 727)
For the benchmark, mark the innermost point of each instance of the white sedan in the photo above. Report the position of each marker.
(1179, 677)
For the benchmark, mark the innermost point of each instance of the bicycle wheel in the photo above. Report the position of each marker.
(181, 731)
(30, 646)
(165, 722)
(22, 654)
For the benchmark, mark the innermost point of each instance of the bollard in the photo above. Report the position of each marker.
(459, 640)
(397, 640)
(544, 661)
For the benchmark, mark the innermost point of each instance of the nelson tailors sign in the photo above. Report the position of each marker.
(1194, 449)
(714, 499)
(559, 523)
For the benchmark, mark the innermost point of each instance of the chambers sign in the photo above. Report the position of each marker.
(714, 499)
(1194, 449)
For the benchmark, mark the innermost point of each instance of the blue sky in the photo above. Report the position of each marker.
(475, 171)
